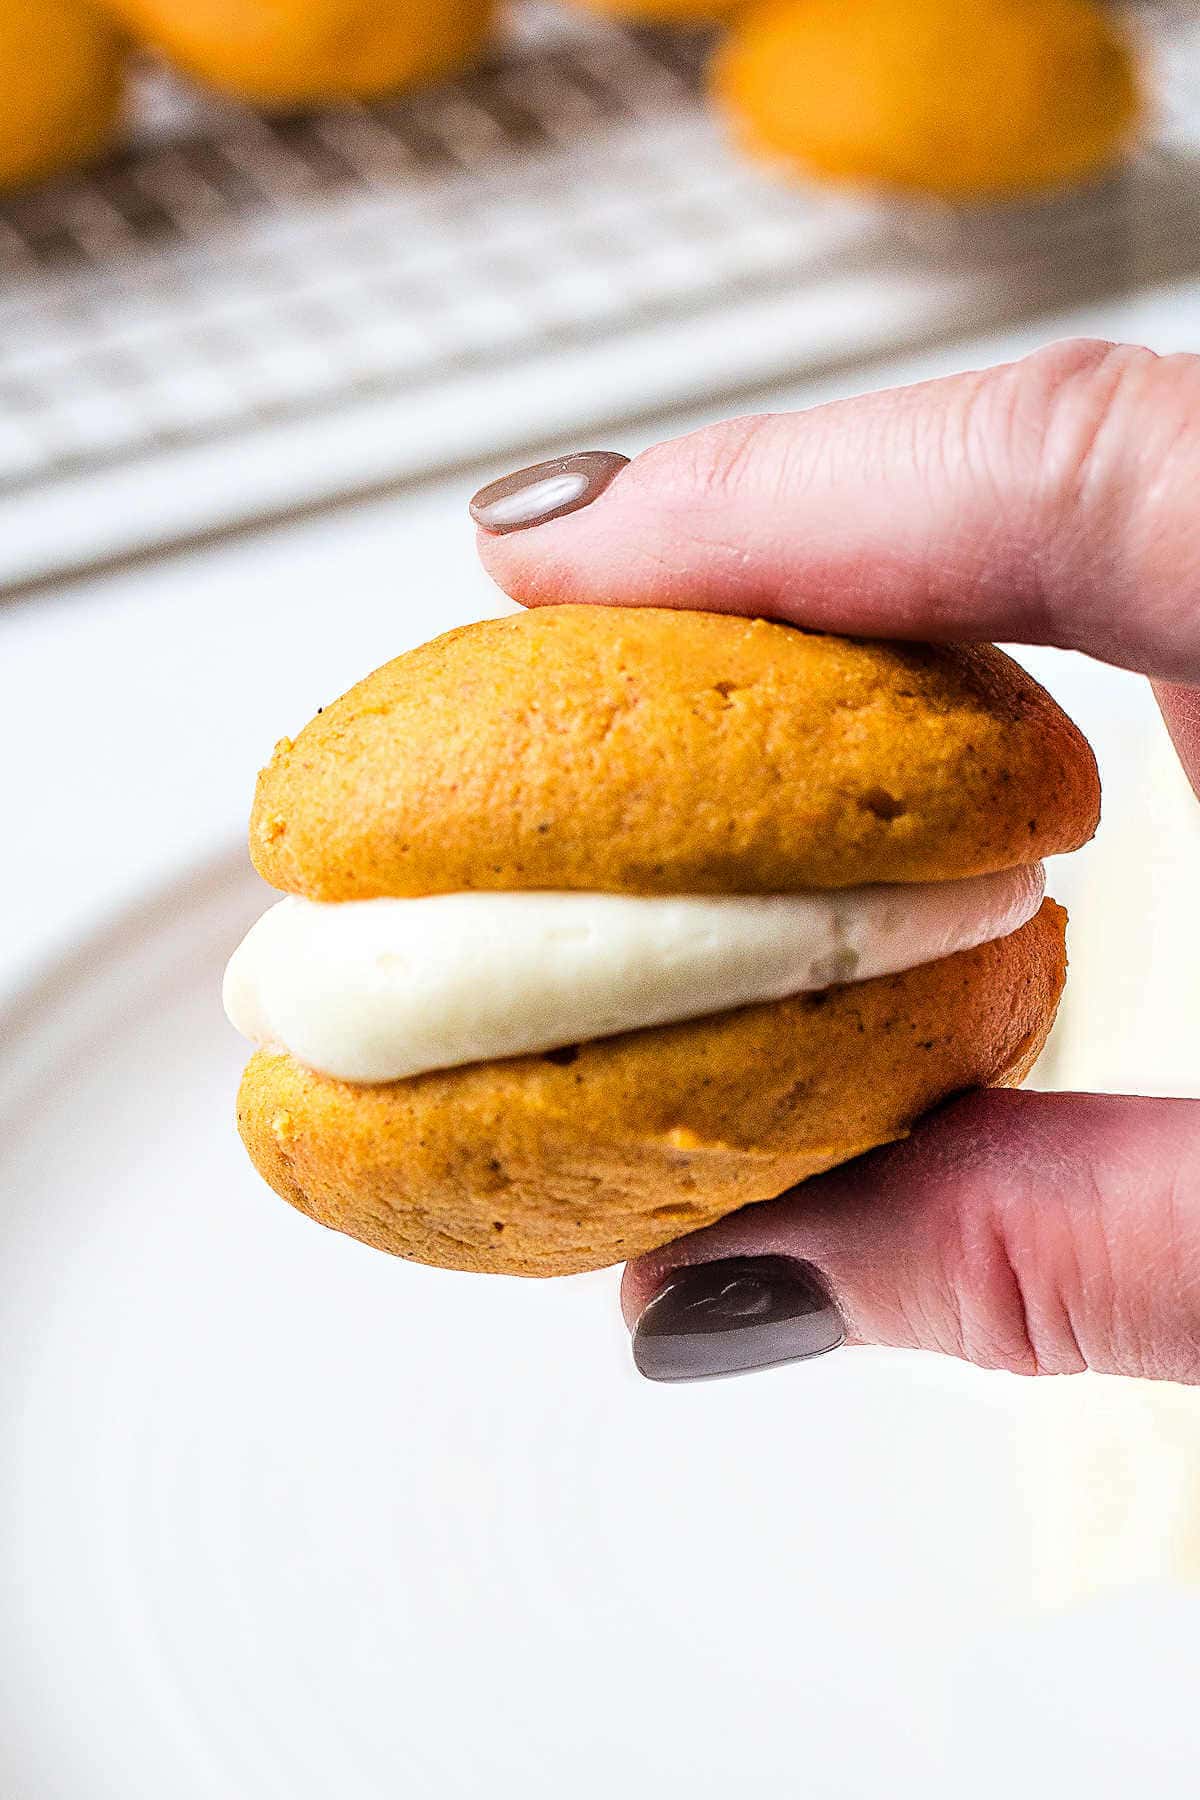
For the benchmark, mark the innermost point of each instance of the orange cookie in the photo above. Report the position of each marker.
(663, 12)
(636, 750)
(289, 53)
(62, 72)
(961, 99)
(576, 1159)
(548, 758)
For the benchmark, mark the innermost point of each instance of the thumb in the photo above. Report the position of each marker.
(1039, 1233)
(1049, 501)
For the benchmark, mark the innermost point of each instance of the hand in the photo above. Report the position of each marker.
(1050, 501)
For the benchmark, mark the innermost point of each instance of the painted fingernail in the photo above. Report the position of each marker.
(547, 490)
(728, 1317)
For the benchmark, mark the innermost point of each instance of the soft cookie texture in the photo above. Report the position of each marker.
(644, 751)
(546, 1165)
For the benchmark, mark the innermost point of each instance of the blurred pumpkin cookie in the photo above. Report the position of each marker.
(282, 53)
(61, 71)
(962, 99)
(663, 12)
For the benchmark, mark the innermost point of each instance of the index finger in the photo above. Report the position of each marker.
(1049, 501)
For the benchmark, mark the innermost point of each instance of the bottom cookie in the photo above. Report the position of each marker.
(552, 1164)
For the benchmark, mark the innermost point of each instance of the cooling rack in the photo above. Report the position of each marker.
(241, 317)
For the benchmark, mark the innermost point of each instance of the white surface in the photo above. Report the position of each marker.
(376, 990)
(282, 1517)
(276, 1511)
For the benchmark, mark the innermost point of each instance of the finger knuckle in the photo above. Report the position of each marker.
(990, 1320)
(1051, 434)
(712, 462)
(1075, 400)
(1039, 422)
(1007, 1310)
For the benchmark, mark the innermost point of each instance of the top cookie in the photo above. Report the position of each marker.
(632, 750)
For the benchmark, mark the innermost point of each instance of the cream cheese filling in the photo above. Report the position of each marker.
(377, 990)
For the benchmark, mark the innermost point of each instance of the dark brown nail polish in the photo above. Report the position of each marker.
(728, 1317)
(547, 490)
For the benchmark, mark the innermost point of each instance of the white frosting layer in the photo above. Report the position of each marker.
(376, 990)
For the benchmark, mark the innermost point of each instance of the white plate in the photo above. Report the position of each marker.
(282, 1518)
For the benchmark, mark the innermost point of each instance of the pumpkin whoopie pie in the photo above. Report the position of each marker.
(603, 922)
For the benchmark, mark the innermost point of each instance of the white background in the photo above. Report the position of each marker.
(136, 710)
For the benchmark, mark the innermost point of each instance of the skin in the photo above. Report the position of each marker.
(1050, 501)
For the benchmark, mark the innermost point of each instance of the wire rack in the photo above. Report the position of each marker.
(241, 315)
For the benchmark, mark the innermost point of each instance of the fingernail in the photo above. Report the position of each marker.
(728, 1317)
(547, 490)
